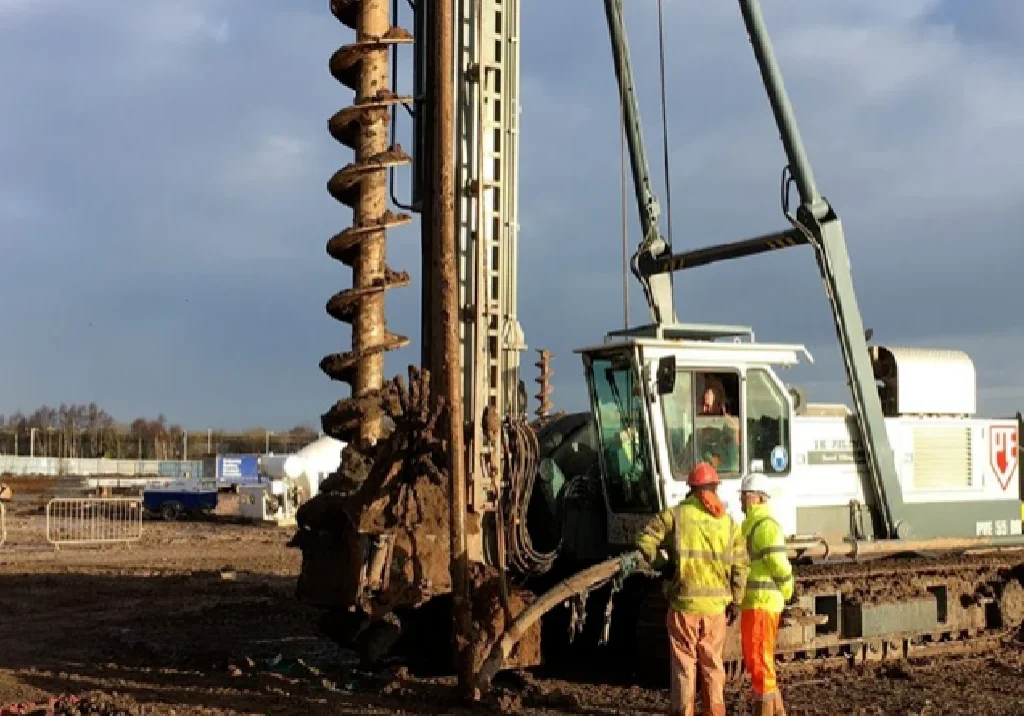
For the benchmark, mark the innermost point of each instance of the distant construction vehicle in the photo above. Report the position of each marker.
(907, 477)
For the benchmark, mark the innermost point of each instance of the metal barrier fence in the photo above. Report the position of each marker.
(3, 524)
(93, 520)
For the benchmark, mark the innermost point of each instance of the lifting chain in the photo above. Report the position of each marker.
(607, 628)
(577, 614)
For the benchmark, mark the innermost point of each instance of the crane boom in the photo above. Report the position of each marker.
(816, 219)
(815, 222)
(657, 287)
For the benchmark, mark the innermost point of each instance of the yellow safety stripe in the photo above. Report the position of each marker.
(727, 558)
(750, 541)
(705, 554)
(769, 584)
(758, 554)
(687, 592)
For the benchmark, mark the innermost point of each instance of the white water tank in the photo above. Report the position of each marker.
(277, 467)
(319, 459)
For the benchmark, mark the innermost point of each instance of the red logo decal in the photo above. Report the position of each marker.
(1002, 452)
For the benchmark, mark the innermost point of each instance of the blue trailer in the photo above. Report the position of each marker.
(173, 498)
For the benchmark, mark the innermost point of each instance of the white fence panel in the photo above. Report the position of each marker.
(15, 465)
(93, 520)
(87, 467)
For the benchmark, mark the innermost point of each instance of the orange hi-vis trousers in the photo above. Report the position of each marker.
(758, 629)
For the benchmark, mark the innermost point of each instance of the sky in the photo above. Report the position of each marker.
(163, 203)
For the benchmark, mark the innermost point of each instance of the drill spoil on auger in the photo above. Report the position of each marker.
(363, 66)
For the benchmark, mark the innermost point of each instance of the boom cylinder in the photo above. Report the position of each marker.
(822, 549)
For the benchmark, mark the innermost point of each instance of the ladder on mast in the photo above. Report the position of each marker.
(486, 84)
(486, 164)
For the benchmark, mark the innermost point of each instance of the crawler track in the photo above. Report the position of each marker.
(878, 611)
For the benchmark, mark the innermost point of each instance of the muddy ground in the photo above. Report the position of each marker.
(199, 618)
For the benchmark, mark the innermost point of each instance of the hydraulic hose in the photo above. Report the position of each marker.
(578, 583)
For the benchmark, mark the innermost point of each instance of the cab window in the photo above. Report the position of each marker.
(576, 453)
(622, 435)
(768, 423)
(702, 423)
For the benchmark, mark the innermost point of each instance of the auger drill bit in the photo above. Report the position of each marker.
(363, 66)
(544, 395)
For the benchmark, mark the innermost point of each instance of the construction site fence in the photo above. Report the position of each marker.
(93, 520)
(87, 466)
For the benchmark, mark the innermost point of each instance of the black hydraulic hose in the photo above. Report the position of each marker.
(522, 456)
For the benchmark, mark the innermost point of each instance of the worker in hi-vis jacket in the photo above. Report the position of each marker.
(705, 547)
(769, 587)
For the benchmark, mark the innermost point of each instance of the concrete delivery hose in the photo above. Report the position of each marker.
(578, 583)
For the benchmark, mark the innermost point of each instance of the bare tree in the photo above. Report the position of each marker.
(87, 430)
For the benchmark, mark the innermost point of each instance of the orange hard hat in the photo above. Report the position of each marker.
(702, 475)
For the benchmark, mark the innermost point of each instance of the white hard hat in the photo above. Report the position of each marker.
(755, 482)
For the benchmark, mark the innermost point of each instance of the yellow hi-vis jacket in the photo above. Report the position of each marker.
(710, 559)
(770, 580)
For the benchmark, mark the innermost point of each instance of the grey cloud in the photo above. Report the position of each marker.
(986, 22)
(199, 174)
(174, 260)
(914, 163)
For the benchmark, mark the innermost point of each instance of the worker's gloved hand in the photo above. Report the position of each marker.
(664, 566)
(731, 612)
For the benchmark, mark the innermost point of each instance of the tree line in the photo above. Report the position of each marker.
(89, 431)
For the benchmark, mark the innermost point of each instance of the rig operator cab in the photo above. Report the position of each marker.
(666, 397)
(908, 461)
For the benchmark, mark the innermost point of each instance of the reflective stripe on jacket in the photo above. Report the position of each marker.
(709, 556)
(770, 579)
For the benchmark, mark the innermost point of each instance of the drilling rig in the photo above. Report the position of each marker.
(903, 512)
(385, 512)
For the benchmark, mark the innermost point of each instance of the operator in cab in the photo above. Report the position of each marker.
(716, 429)
(705, 547)
(713, 402)
(769, 587)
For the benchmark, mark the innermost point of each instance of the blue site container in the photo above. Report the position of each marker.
(237, 470)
